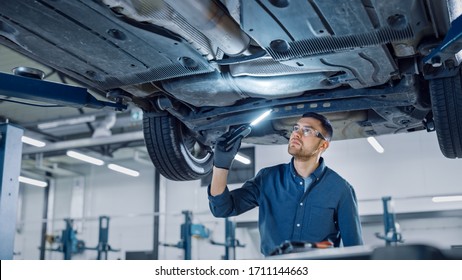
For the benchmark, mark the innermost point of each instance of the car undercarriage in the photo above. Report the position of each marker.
(200, 68)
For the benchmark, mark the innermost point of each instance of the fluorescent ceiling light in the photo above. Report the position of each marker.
(33, 142)
(124, 170)
(242, 159)
(85, 158)
(33, 182)
(72, 121)
(452, 198)
(375, 144)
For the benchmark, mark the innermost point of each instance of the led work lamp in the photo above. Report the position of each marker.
(245, 129)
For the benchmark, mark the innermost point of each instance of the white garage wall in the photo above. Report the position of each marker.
(27, 239)
(128, 201)
(411, 170)
(412, 166)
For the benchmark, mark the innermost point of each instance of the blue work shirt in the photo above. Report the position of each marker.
(327, 210)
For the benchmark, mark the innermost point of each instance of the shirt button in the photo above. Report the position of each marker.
(301, 183)
(301, 203)
(298, 225)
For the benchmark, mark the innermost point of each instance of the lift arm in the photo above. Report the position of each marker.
(451, 45)
(53, 93)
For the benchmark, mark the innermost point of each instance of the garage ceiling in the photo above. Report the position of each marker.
(113, 136)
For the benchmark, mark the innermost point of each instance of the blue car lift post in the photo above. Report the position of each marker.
(231, 242)
(70, 245)
(10, 164)
(29, 88)
(392, 236)
(188, 230)
(69, 241)
(103, 246)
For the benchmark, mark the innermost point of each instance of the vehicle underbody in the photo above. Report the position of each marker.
(200, 68)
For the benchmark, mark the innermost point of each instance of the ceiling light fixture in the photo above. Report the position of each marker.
(375, 144)
(451, 198)
(33, 142)
(85, 158)
(33, 182)
(242, 159)
(72, 121)
(124, 170)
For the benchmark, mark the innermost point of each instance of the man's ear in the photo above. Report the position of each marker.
(324, 145)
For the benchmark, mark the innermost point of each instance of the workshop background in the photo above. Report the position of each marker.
(144, 214)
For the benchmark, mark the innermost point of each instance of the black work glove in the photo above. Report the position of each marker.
(223, 155)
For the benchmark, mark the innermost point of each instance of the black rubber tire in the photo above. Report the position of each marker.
(173, 151)
(446, 98)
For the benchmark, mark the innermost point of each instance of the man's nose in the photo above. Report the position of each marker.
(296, 133)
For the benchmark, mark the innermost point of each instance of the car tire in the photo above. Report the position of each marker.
(446, 98)
(174, 151)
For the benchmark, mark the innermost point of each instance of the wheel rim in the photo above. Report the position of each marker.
(193, 149)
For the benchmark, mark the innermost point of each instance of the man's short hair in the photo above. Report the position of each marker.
(325, 123)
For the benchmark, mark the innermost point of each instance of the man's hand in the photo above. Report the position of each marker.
(223, 156)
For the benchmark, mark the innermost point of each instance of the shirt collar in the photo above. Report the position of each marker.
(317, 172)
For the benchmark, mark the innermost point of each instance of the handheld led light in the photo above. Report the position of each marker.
(245, 129)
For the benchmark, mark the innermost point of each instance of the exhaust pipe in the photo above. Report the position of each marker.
(222, 89)
(214, 23)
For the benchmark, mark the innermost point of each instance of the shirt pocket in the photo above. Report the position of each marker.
(320, 223)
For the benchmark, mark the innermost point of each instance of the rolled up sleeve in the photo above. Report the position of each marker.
(221, 205)
(235, 202)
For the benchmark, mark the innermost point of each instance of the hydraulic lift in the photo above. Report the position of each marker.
(392, 235)
(69, 245)
(30, 87)
(189, 230)
(10, 165)
(231, 242)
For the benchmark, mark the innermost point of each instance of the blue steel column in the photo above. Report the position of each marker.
(230, 242)
(186, 234)
(10, 166)
(392, 236)
(103, 239)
